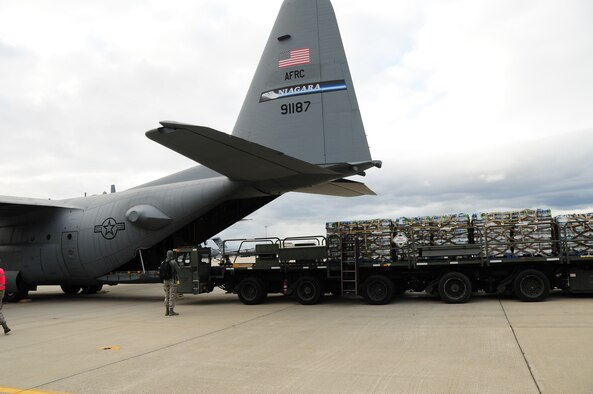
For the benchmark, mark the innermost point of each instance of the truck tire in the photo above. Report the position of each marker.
(531, 285)
(455, 288)
(252, 291)
(308, 291)
(377, 290)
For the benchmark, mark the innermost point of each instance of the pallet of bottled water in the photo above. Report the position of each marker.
(413, 233)
(577, 230)
(522, 233)
(373, 238)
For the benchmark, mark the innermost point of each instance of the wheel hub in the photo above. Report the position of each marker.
(378, 290)
(454, 288)
(532, 286)
(249, 292)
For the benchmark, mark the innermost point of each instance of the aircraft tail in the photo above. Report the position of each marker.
(301, 101)
(300, 127)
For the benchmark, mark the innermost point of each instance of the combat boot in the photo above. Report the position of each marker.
(166, 310)
(6, 329)
(172, 312)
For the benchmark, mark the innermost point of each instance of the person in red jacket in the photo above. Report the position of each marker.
(2, 289)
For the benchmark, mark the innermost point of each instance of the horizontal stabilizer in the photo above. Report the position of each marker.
(339, 187)
(232, 156)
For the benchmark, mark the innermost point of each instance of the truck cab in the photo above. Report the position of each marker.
(194, 270)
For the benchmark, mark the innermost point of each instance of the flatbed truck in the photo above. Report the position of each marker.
(303, 267)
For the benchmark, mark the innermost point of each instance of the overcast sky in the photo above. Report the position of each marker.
(471, 105)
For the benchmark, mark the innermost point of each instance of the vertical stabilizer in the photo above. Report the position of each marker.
(301, 100)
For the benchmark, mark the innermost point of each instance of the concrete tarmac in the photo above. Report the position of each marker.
(119, 341)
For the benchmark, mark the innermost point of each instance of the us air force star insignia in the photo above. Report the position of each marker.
(109, 228)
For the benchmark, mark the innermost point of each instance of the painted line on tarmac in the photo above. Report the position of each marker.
(539, 390)
(13, 390)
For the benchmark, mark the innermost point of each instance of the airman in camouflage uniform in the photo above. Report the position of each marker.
(170, 286)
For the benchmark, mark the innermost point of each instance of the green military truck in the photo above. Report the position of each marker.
(523, 258)
(298, 266)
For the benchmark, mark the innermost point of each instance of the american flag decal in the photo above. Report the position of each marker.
(294, 57)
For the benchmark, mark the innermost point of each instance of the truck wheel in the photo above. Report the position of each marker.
(455, 288)
(377, 290)
(252, 291)
(308, 290)
(531, 285)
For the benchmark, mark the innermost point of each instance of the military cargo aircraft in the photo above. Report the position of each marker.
(299, 129)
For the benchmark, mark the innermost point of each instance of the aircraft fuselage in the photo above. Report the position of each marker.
(58, 245)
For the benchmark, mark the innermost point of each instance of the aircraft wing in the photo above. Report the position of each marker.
(13, 206)
(234, 157)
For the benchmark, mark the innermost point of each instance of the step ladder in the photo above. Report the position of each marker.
(349, 266)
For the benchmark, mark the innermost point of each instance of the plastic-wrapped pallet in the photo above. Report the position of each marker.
(411, 233)
(493, 230)
(373, 238)
(451, 229)
(532, 233)
(416, 229)
(436, 230)
(577, 230)
(527, 232)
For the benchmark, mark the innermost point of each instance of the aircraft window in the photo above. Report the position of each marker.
(69, 236)
(48, 237)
